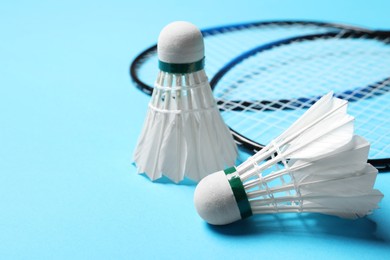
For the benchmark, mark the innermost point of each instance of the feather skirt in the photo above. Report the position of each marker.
(184, 133)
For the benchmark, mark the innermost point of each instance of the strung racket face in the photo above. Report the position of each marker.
(224, 43)
(263, 91)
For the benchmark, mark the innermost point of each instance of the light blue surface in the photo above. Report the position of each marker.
(69, 121)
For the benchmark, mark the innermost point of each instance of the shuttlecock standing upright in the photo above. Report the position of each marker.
(184, 134)
(324, 170)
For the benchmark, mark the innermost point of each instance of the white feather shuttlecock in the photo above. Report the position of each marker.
(183, 134)
(317, 165)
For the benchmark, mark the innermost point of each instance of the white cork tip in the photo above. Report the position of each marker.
(180, 42)
(214, 200)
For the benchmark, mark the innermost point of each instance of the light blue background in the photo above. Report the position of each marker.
(69, 120)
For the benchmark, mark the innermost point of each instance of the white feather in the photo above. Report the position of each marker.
(348, 159)
(321, 131)
(345, 207)
(184, 134)
(324, 137)
(326, 166)
(317, 110)
(349, 183)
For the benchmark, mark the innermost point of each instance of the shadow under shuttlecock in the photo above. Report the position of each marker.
(165, 180)
(301, 224)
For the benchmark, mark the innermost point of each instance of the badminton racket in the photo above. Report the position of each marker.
(264, 90)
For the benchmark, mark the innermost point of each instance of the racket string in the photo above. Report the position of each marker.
(286, 73)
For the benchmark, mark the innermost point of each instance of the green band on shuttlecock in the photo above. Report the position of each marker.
(239, 192)
(181, 68)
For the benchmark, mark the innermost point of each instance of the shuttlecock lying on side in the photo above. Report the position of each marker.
(184, 134)
(324, 170)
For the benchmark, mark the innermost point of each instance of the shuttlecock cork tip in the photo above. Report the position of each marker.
(214, 200)
(180, 43)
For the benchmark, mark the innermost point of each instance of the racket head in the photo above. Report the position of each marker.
(224, 43)
(261, 92)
